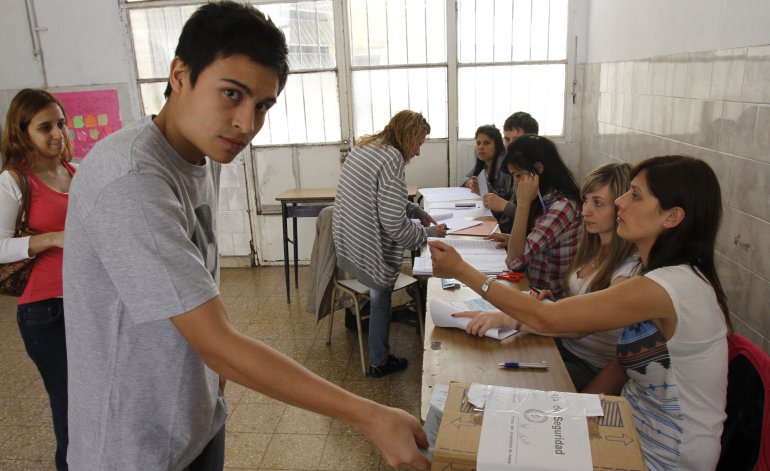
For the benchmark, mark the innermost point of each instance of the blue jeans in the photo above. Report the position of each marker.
(212, 458)
(41, 324)
(379, 326)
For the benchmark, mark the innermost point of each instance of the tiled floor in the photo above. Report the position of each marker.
(262, 433)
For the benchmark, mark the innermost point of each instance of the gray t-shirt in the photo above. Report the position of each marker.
(140, 248)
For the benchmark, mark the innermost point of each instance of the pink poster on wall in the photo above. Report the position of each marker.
(91, 116)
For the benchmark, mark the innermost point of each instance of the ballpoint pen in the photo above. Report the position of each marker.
(540, 196)
(513, 364)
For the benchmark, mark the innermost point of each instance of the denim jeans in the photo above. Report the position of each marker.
(41, 324)
(379, 326)
(212, 458)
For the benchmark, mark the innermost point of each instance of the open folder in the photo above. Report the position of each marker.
(441, 314)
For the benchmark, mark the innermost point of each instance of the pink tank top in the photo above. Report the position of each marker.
(47, 213)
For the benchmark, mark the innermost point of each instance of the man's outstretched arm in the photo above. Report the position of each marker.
(253, 364)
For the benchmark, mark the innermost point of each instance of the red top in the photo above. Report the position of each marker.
(47, 212)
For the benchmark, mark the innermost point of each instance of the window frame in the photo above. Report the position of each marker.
(344, 68)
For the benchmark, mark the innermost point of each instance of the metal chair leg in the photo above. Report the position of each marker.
(331, 316)
(360, 335)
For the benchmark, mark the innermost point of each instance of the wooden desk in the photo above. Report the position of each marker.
(302, 203)
(452, 355)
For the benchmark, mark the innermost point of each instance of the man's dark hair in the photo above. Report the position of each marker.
(521, 120)
(224, 29)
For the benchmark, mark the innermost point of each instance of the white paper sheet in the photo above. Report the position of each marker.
(458, 224)
(452, 193)
(482, 180)
(525, 429)
(441, 313)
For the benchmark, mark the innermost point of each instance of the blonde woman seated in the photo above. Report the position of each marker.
(672, 355)
(602, 260)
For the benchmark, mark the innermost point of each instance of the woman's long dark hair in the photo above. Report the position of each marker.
(491, 131)
(529, 149)
(688, 183)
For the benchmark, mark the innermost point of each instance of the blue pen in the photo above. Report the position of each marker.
(513, 364)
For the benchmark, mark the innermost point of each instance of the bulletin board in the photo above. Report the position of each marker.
(91, 116)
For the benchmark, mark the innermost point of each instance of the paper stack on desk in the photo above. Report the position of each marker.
(441, 314)
(483, 255)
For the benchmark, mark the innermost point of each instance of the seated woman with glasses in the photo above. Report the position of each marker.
(543, 237)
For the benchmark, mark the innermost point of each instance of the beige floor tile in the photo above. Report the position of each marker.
(349, 453)
(27, 465)
(294, 451)
(245, 450)
(255, 418)
(295, 420)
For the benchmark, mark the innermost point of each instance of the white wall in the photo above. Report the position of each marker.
(85, 45)
(632, 29)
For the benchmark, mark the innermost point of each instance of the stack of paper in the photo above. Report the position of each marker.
(452, 193)
(483, 255)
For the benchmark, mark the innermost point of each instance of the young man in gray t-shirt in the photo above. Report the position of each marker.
(147, 334)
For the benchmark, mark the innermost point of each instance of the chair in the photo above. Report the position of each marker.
(746, 434)
(358, 293)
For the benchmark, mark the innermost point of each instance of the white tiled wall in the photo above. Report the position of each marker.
(713, 105)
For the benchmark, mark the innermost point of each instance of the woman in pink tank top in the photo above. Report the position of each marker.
(36, 143)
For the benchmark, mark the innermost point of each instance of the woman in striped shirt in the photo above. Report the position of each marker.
(372, 226)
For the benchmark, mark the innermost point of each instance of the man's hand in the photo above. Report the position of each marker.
(397, 435)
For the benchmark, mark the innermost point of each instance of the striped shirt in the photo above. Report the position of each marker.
(551, 244)
(371, 225)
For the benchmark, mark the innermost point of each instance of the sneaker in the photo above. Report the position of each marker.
(394, 365)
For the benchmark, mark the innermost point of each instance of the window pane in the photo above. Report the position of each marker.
(505, 30)
(156, 32)
(539, 34)
(309, 30)
(397, 32)
(557, 43)
(379, 94)
(152, 96)
(306, 111)
(488, 95)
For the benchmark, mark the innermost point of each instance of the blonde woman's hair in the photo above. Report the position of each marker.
(405, 131)
(617, 176)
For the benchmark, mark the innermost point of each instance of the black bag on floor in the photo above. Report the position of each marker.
(350, 318)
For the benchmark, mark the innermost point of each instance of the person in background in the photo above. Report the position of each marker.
(517, 124)
(372, 226)
(543, 237)
(672, 355)
(602, 259)
(149, 336)
(489, 158)
(36, 143)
